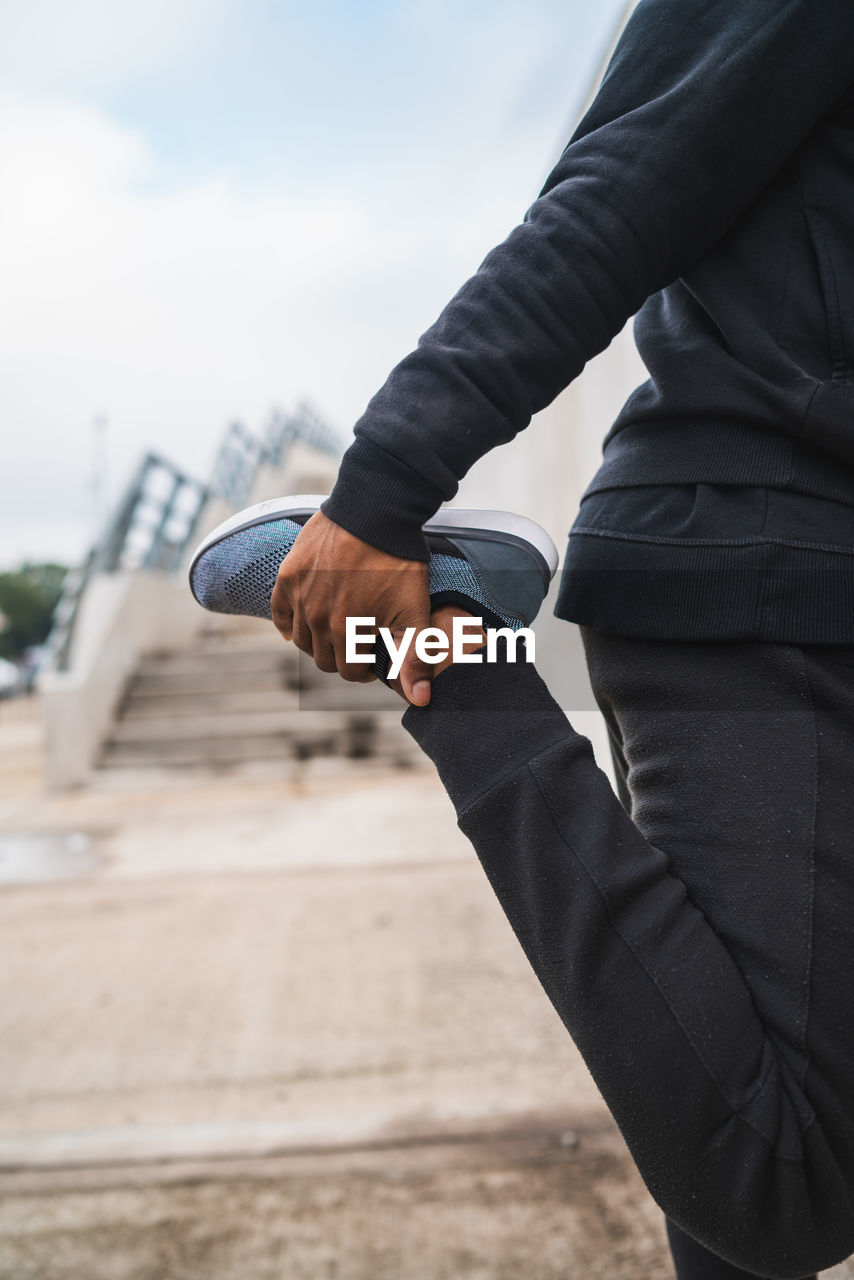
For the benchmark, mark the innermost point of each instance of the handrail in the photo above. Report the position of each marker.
(149, 529)
(157, 517)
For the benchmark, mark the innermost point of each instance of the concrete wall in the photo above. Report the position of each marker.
(122, 617)
(306, 470)
(543, 473)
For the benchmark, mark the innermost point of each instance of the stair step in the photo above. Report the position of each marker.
(175, 706)
(288, 722)
(221, 701)
(247, 698)
(165, 679)
(194, 662)
(202, 683)
(394, 745)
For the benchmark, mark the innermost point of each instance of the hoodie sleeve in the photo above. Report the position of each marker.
(703, 102)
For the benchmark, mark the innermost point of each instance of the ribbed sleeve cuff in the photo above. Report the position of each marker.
(484, 722)
(382, 501)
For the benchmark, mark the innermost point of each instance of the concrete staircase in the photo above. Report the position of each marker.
(245, 696)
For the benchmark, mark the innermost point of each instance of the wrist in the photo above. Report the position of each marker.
(382, 501)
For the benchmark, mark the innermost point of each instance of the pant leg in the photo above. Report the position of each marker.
(699, 954)
(620, 763)
(691, 1261)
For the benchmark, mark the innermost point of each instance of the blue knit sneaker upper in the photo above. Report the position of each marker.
(452, 576)
(238, 573)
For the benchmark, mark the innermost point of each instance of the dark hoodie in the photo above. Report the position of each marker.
(710, 190)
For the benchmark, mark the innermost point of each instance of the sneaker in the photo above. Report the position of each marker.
(494, 564)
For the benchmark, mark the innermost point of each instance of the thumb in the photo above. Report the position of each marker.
(415, 673)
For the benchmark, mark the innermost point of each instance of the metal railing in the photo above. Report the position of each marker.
(241, 454)
(158, 515)
(150, 529)
(303, 424)
(237, 462)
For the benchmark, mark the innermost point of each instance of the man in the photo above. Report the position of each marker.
(700, 952)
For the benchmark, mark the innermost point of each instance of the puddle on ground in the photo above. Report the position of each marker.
(36, 856)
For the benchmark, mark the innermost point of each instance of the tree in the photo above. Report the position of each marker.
(28, 598)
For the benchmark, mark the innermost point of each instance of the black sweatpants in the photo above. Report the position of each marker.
(700, 951)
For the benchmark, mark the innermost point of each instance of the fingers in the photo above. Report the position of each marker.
(356, 675)
(312, 635)
(281, 609)
(330, 579)
(302, 635)
(353, 672)
(324, 655)
(416, 675)
(328, 653)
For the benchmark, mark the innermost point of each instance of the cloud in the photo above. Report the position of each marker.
(101, 43)
(174, 310)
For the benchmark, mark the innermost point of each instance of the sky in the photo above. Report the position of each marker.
(212, 209)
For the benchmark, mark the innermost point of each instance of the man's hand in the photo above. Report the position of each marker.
(443, 620)
(330, 575)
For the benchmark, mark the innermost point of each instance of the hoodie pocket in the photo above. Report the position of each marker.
(838, 341)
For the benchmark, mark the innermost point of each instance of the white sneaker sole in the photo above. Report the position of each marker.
(448, 522)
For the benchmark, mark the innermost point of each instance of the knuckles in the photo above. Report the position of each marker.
(338, 627)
